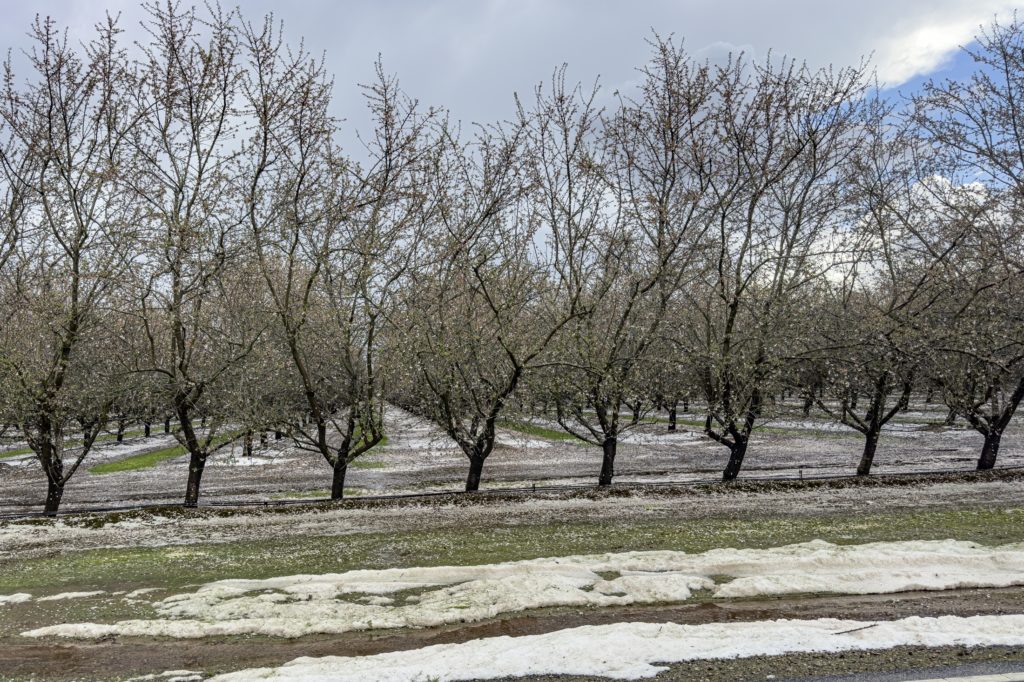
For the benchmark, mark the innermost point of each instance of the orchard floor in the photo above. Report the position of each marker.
(171, 550)
(96, 561)
(418, 458)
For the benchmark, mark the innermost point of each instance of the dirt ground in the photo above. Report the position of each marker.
(170, 549)
(419, 458)
(112, 658)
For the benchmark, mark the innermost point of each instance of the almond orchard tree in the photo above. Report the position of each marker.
(876, 304)
(332, 238)
(640, 181)
(978, 128)
(186, 142)
(784, 134)
(485, 304)
(63, 161)
(974, 331)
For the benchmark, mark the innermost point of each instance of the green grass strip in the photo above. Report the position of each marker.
(145, 460)
(174, 566)
(15, 453)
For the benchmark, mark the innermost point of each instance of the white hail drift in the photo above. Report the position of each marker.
(628, 651)
(292, 606)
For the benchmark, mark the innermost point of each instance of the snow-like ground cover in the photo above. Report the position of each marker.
(629, 651)
(103, 451)
(297, 605)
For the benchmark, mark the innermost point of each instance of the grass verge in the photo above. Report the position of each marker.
(145, 460)
(174, 566)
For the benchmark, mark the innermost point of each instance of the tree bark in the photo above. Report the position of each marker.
(167, 425)
(672, 418)
(247, 444)
(608, 447)
(147, 429)
(338, 480)
(54, 493)
(196, 465)
(950, 417)
(990, 450)
(476, 467)
(736, 454)
(120, 432)
(277, 435)
(868, 456)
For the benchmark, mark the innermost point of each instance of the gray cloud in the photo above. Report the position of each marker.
(470, 55)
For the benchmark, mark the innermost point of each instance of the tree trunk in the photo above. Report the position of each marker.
(263, 439)
(990, 450)
(608, 447)
(277, 435)
(476, 467)
(672, 418)
(54, 493)
(868, 456)
(147, 429)
(950, 417)
(120, 432)
(808, 402)
(736, 454)
(167, 425)
(686, 404)
(247, 444)
(196, 464)
(338, 481)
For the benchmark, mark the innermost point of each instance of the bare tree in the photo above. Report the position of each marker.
(482, 309)
(785, 133)
(332, 237)
(63, 163)
(641, 184)
(978, 126)
(876, 305)
(186, 143)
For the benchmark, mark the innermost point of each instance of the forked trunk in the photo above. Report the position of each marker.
(868, 456)
(608, 448)
(990, 450)
(476, 467)
(338, 480)
(54, 493)
(736, 453)
(196, 465)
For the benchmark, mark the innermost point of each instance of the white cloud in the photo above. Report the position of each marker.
(928, 45)
(473, 56)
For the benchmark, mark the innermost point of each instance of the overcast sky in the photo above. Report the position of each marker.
(471, 55)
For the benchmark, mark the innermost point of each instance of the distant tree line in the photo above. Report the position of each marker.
(182, 241)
